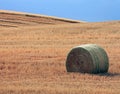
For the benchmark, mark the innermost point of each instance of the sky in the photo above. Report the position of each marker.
(84, 10)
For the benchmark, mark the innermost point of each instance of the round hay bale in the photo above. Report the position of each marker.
(89, 58)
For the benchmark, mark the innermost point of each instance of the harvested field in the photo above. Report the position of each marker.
(32, 57)
(15, 19)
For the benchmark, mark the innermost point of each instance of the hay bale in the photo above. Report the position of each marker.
(89, 58)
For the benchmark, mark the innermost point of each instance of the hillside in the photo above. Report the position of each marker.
(33, 55)
(15, 19)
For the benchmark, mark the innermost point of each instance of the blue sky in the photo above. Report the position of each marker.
(85, 10)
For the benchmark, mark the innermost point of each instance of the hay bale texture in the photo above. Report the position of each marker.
(89, 58)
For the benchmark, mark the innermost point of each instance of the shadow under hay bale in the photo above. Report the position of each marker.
(89, 58)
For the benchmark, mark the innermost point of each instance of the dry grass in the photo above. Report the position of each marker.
(32, 58)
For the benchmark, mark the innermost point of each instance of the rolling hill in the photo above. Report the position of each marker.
(15, 19)
(33, 51)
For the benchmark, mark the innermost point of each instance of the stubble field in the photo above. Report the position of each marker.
(32, 57)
